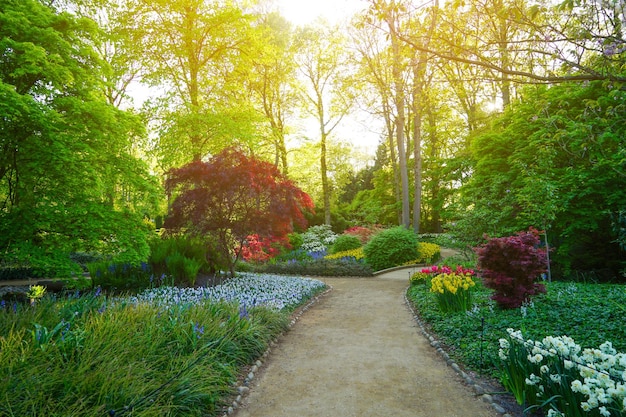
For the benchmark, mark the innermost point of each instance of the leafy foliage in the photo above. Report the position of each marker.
(511, 265)
(390, 248)
(231, 197)
(65, 153)
(120, 277)
(182, 258)
(345, 242)
(589, 313)
(344, 267)
(555, 159)
(179, 356)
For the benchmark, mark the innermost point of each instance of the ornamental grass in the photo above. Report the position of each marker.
(164, 352)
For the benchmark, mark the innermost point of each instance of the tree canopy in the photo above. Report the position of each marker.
(492, 116)
(231, 197)
(69, 179)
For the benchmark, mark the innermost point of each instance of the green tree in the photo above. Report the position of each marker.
(197, 53)
(555, 161)
(327, 95)
(68, 181)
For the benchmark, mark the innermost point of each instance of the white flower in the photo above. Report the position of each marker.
(532, 379)
(554, 413)
(568, 364)
(504, 344)
(604, 411)
(537, 358)
(607, 347)
(556, 378)
(585, 406)
(544, 369)
(577, 386)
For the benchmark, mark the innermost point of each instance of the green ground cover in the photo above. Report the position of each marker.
(163, 352)
(589, 313)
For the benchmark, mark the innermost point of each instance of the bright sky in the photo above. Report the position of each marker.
(301, 12)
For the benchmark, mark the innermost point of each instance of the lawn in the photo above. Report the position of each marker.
(163, 352)
(590, 314)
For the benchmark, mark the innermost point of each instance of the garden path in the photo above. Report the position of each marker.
(359, 352)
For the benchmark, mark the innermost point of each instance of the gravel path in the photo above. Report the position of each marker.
(359, 352)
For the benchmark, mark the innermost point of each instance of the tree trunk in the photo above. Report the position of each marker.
(325, 186)
(399, 102)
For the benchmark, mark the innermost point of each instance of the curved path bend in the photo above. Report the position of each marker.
(359, 352)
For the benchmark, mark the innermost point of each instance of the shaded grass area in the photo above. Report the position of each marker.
(589, 313)
(96, 356)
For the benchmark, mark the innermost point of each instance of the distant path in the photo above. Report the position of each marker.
(358, 353)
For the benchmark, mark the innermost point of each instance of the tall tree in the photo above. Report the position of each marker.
(196, 52)
(65, 152)
(391, 14)
(233, 196)
(420, 83)
(272, 81)
(377, 79)
(327, 94)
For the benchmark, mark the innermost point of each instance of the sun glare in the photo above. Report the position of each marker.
(302, 12)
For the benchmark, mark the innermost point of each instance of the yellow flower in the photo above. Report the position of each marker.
(427, 251)
(355, 253)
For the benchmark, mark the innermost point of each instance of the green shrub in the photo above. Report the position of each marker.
(120, 276)
(295, 240)
(27, 260)
(390, 248)
(184, 269)
(320, 267)
(345, 243)
(183, 258)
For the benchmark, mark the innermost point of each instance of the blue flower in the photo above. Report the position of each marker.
(243, 312)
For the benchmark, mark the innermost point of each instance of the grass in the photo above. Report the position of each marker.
(589, 313)
(159, 353)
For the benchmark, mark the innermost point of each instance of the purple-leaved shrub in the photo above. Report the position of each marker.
(511, 265)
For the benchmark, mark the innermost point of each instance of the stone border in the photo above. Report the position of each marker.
(244, 389)
(476, 387)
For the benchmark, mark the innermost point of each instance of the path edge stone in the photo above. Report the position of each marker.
(244, 389)
(478, 389)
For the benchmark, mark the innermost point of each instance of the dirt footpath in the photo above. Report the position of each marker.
(358, 352)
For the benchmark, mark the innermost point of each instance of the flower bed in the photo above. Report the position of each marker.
(557, 374)
(274, 291)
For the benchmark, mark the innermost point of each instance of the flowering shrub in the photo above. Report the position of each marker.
(363, 233)
(557, 373)
(273, 291)
(318, 238)
(453, 291)
(357, 254)
(510, 266)
(262, 249)
(428, 252)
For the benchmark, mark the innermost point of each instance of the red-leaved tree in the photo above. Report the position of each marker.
(231, 197)
(511, 266)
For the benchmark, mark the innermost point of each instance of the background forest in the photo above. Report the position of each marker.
(493, 116)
